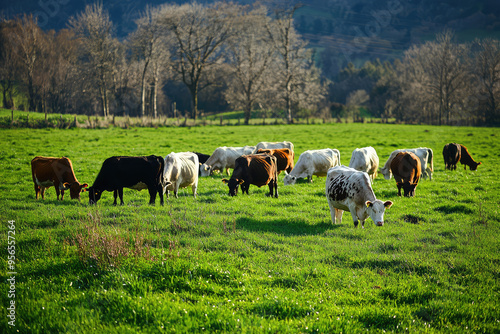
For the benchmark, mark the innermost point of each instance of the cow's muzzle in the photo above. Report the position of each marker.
(380, 223)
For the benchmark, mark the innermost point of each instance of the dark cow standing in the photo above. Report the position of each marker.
(256, 169)
(284, 158)
(202, 158)
(466, 158)
(129, 172)
(57, 172)
(451, 155)
(407, 170)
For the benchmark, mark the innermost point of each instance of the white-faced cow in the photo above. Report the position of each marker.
(57, 172)
(256, 169)
(350, 190)
(284, 158)
(365, 160)
(224, 158)
(313, 162)
(425, 155)
(181, 171)
(129, 172)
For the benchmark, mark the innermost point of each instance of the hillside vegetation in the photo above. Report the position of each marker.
(251, 264)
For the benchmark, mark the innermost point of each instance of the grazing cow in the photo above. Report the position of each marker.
(451, 155)
(181, 171)
(466, 159)
(425, 154)
(313, 162)
(129, 172)
(407, 169)
(256, 169)
(365, 160)
(57, 172)
(224, 158)
(348, 189)
(284, 158)
(273, 145)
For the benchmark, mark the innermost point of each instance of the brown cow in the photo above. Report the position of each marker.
(57, 172)
(284, 158)
(466, 159)
(406, 169)
(256, 169)
(451, 155)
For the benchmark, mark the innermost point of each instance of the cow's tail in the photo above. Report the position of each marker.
(431, 159)
(161, 171)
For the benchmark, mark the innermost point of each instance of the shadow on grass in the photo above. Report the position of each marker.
(283, 227)
(449, 209)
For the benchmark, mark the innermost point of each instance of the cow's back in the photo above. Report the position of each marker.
(406, 166)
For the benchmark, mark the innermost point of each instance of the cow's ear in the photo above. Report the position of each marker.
(241, 181)
(167, 183)
(226, 181)
(368, 204)
(66, 185)
(85, 185)
(388, 204)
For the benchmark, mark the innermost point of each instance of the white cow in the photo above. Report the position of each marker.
(365, 160)
(313, 162)
(350, 190)
(273, 145)
(181, 171)
(425, 155)
(224, 158)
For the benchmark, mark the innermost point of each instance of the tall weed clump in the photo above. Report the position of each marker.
(107, 249)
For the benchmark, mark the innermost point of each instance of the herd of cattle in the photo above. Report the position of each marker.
(347, 188)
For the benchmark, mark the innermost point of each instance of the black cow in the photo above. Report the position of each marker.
(129, 172)
(202, 158)
(451, 154)
(256, 169)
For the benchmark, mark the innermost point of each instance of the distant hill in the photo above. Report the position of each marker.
(342, 31)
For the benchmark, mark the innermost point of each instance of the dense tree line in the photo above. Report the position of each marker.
(190, 59)
(244, 55)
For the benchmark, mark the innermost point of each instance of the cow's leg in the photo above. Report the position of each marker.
(194, 187)
(176, 191)
(115, 195)
(399, 189)
(227, 171)
(43, 192)
(120, 193)
(276, 188)
(152, 195)
(57, 192)
(354, 214)
(338, 215)
(37, 191)
(62, 195)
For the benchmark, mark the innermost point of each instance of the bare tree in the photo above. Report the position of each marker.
(95, 29)
(200, 32)
(485, 71)
(250, 56)
(293, 56)
(28, 40)
(9, 63)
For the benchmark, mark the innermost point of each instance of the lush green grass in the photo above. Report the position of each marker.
(252, 263)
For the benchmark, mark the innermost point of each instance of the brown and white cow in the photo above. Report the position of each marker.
(407, 170)
(284, 158)
(57, 172)
(256, 169)
(348, 189)
(466, 158)
(451, 155)
(425, 154)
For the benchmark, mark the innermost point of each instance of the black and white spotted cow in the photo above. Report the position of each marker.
(350, 190)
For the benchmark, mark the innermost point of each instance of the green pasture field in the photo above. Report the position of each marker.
(250, 264)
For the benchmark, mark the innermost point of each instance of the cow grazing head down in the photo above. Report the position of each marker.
(233, 185)
(94, 195)
(75, 189)
(376, 210)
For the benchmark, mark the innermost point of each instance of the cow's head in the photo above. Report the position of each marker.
(289, 180)
(205, 170)
(473, 165)
(233, 185)
(387, 173)
(167, 185)
(376, 210)
(94, 195)
(75, 189)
